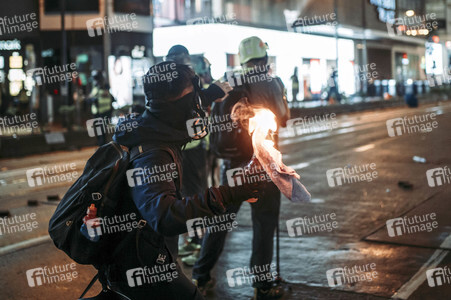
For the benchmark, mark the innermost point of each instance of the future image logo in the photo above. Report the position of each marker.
(112, 24)
(96, 127)
(246, 275)
(54, 74)
(157, 173)
(51, 275)
(351, 275)
(335, 277)
(135, 177)
(196, 127)
(195, 227)
(308, 225)
(94, 26)
(351, 174)
(150, 275)
(411, 124)
(411, 224)
(240, 176)
(438, 176)
(101, 126)
(18, 23)
(53, 174)
(199, 226)
(438, 276)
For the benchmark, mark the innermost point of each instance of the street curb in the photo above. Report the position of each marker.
(24, 245)
(20, 146)
(338, 109)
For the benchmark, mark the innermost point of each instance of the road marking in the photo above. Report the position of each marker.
(299, 166)
(412, 285)
(364, 148)
(350, 126)
(24, 244)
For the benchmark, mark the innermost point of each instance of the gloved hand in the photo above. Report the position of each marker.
(224, 196)
(245, 192)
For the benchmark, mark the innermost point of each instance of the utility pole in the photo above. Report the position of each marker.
(106, 38)
(64, 85)
(364, 49)
(336, 44)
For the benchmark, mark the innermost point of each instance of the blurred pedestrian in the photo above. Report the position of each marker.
(101, 104)
(334, 94)
(23, 101)
(295, 84)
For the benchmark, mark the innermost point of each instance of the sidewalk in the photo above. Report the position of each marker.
(60, 139)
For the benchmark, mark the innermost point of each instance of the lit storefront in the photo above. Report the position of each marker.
(314, 56)
(17, 56)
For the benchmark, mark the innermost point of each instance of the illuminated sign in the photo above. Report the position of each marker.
(16, 61)
(10, 45)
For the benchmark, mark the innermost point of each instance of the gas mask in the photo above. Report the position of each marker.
(185, 113)
(197, 125)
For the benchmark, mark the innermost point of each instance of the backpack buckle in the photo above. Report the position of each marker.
(142, 223)
(96, 196)
(161, 259)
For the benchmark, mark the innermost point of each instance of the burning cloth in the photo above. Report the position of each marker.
(261, 122)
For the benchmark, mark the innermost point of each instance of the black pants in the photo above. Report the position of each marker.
(265, 215)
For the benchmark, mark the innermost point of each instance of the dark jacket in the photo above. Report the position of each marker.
(159, 203)
(260, 89)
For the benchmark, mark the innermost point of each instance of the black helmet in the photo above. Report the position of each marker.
(179, 54)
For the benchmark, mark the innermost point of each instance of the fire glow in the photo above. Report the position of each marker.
(262, 123)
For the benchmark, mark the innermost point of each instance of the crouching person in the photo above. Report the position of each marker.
(146, 268)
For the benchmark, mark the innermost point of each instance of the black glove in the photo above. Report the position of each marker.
(224, 196)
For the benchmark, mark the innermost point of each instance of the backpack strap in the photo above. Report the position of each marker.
(137, 151)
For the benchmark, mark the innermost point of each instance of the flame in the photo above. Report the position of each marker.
(261, 124)
(264, 120)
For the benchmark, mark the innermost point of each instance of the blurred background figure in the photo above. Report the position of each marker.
(101, 103)
(333, 96)
(295, 84)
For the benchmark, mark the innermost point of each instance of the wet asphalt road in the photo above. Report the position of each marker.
(361, 209)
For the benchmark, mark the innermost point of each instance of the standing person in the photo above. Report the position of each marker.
(333, 94)
(158, 137)
(101, 103)
(270, 93)
(194, 154)
(24, 101)
(295, 84)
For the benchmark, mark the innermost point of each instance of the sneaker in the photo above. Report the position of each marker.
(190, 260)
(274, 292)
(205, 288)
(188, 248)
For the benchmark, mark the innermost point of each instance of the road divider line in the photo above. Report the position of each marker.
(412, 285)
(364, 148)
(24, 244)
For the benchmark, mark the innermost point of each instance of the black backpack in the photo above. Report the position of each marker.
(237, 144)
(103, 183)
(233, 144)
